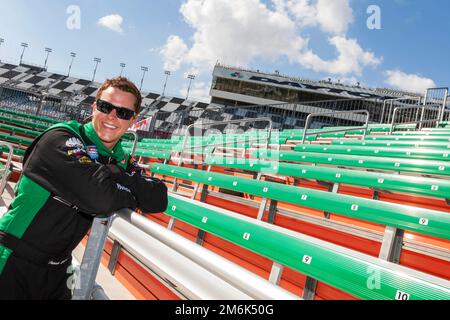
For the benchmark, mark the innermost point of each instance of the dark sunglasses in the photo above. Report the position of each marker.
(121, 112)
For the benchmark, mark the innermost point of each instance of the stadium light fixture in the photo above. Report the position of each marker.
(48, 50)
(97, 61)
(167, 73)
(1, 41)
(144, 69)
(122, 65)
(190, 77)
(73, 55)
(24, 45)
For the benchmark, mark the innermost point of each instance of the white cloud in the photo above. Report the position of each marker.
(351, 58)
(237, 32)
(408, 82)
(174, 53)
(332, 16)
(112, 22)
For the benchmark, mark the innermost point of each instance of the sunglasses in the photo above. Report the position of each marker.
(121, 112)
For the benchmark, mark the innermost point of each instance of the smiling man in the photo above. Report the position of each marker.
(72, 173)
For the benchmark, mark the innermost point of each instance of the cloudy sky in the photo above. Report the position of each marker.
(380, 43)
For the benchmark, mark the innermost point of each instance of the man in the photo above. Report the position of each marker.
(72, 173)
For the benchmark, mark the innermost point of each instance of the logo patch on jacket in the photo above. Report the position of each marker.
(92, 152)
(78, 152)
(74, 143)
(85, 160)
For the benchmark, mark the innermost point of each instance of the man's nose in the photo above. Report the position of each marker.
(112, 114)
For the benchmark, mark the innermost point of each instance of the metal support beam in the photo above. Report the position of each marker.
(262, 208)
(117, 247)
(91, 258)
(272, 211)
(392, 244)
(171, 223)
(275, 273)
(309, 291)
(333, 189)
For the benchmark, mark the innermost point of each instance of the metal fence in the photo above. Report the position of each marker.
(42, 104)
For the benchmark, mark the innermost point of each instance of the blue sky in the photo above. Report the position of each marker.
(410, 50)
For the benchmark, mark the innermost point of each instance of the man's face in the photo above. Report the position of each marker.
(109, 128)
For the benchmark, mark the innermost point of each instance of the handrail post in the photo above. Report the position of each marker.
(7, 165)
(91, 258)
(136, 138)
(366, 126)
(311, 115)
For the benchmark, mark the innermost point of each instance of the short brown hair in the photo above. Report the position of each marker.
(122, 83)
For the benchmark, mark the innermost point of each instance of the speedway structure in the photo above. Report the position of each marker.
(345, 198)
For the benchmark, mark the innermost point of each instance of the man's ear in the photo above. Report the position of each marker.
(135, 118)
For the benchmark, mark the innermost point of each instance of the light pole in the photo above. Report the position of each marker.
(167, 73)
(122, 65)
(24, 45)
(73, 55)
(190, 77)
(97, 61)
(1, 41)
(144, 69)
(48, 50)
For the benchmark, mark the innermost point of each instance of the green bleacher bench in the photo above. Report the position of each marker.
(20, 130)
(15, 139)
(423, 133)
(438, 188)
(425, 221)
(408, 165)
(24, 123)
(158, 154)
(16, 151)
(395, 144)
(336, 266)
(30, 116)
(409, 138)
(410, 153)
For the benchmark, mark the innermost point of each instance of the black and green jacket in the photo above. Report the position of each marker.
(69, 177)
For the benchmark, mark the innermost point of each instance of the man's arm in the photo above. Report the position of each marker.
(150, 193)
(60, 164)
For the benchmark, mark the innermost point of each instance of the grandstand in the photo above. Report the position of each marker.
(330, 198)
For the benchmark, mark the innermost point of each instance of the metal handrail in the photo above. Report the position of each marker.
(254, 286)
(419, 100)
(312, 115)
(423, 107)
(186, 135)
(134, 133)
(4, 179)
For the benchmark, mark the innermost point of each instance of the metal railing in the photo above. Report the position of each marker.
(332, 114)
(194, 125)
(4, 178)
(135, 142)
(434, 109)
(187, 269)
(386, 114)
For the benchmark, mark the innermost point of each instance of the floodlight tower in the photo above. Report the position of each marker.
(122, 65)
(167, 73)
(48, 50)
(144, 69)
(1, 41)
(24, 45)
(97, 61)
(73, 55)
(190, 77)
